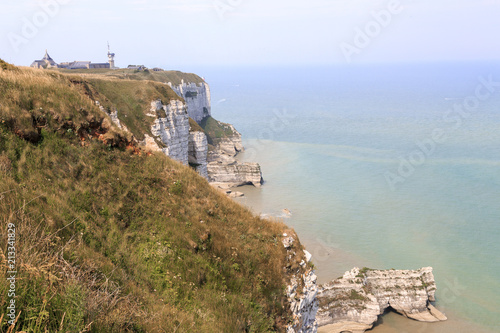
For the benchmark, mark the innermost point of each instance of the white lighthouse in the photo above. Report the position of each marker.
(111, 59)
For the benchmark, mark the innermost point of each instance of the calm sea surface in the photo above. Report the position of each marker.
(381, 166)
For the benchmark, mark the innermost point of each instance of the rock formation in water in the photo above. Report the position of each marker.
(237, 174)
(353, 302)
(349, 304)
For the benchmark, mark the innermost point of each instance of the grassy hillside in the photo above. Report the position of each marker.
(131, 98)
(120, 90)
(215, 130)
(111, 239)
(175, 77)
(31, 100)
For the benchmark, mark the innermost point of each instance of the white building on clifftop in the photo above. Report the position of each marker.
(48, 62)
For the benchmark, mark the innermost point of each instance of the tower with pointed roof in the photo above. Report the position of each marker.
(46, 62)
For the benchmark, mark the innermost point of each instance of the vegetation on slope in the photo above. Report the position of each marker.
(32, 100)
(193, 126)
(216, 130)
(120, 90)
(175, 77)
(110, 239)
(131, 98)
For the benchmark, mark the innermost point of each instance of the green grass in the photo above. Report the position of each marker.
(28, 95)
(354, 295)
(175, 77)
(6, 66)
(215, 130)
(131, 98)
(194, 127)
(111, 239)
(119, 90)
(363, 271)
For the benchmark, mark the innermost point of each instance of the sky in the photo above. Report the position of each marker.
(180, 34)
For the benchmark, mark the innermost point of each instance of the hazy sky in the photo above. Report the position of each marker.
(177, 34)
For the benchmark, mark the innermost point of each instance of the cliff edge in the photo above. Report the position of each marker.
(114, 237)
(158, 117)
(223, 141)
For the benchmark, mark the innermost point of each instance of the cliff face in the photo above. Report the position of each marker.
(198, 148)
(197, 97)
(208, 145)
(217, 164)
(354, 302)
(171, 128)
(302, 290)
(223, 168)
(230, 144)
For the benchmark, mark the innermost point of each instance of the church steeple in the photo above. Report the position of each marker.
(48, 61)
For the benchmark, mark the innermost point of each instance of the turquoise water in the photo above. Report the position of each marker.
(348, 150)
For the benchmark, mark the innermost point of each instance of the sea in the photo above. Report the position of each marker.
(381, 166)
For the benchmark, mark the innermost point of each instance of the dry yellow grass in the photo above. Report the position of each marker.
(117, 242)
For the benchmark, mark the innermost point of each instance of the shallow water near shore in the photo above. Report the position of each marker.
(336, 250)
(330, 142)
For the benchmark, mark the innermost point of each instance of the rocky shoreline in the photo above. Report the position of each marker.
(353, 302)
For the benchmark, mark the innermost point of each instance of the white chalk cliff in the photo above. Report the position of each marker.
(172, 130)
(171, 134)
(197, 98)
(220, 165)
(353, 302)
(224, 168)
(348, 304)
(198, 148)
(302, 291)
